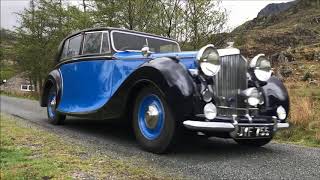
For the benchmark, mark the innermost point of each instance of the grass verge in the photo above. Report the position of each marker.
(304, 116)
(31, 153)
(299, 136)
(31, 95)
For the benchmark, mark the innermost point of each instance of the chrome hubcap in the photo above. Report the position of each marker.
(152, 116)
(53, 103)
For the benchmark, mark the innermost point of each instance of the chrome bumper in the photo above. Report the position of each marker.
(224, 126)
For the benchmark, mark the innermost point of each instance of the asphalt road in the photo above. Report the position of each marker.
(198, 158)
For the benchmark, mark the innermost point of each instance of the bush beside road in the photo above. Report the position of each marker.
(304, 116)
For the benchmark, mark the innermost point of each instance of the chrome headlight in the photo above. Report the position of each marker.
(262, 67)
(209, 60)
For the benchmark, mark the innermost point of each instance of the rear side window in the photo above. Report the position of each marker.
(92, 43)
(65, 49)
(74, 46)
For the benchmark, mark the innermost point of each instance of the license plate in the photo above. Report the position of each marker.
(254, 131)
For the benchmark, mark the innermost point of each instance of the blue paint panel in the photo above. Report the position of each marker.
(189, 63)
(122, 69)
(187, 58)
(88, 85)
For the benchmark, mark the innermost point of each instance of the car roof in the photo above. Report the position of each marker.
(118, 29)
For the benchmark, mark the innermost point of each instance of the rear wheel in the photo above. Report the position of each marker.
(54, 117)
(153, 123)
(253, 142)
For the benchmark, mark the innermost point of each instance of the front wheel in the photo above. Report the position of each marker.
(253, 142)
(54, 117)
(153, 123)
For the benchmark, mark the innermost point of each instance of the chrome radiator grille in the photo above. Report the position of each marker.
(231, 79)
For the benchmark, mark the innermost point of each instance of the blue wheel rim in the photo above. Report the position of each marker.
(51, 109)
(147, 132)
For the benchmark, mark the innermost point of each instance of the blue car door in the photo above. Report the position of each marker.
(86, 83)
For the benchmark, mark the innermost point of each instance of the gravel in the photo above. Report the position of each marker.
(195, 158)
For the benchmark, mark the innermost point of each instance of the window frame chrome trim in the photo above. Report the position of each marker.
(66, 57)
(137, 34)
(101, 42)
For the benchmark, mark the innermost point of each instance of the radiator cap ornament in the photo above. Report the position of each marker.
(230, 45)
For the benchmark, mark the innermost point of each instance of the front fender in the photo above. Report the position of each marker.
(276, 94)
(175, 81)
(167, 74)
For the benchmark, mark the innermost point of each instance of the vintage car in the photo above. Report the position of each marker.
(115, 74)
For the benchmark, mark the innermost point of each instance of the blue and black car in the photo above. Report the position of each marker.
(111, 73)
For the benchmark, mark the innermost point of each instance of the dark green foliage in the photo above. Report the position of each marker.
(7, 54)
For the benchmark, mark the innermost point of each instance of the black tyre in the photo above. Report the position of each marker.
(253, 142)
(153, 122)
(54, 117)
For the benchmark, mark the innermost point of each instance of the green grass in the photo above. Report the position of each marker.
(31, 96)
(313, 92)
(304, 117)
(298, 135)
(31, 153)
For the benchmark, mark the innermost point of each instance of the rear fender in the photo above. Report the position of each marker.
(54, 78)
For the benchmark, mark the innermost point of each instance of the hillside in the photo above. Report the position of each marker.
(291, 38)
(295, 27)
(275, 8)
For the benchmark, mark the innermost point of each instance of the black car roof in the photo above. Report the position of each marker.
(102, 29)
(113, 28)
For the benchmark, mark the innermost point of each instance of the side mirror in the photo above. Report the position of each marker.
(145, 51)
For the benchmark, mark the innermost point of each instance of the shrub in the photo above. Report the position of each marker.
(302, 111)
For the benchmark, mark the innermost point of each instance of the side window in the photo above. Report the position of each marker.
(105, 43)
(92, 43)
(24, 87)
(74, 46)
(65, 49)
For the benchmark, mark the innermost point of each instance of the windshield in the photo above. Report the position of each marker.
(124, 41)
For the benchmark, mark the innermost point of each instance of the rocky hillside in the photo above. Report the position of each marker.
(288, 36)
(275, 8)
(297, 26)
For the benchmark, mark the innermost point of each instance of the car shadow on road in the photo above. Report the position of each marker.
(120, 133)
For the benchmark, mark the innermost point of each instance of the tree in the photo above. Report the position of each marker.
(203, 18)
(170, 17)
(42, 28)
(46, 22)
(130, 14)
(189, 21)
